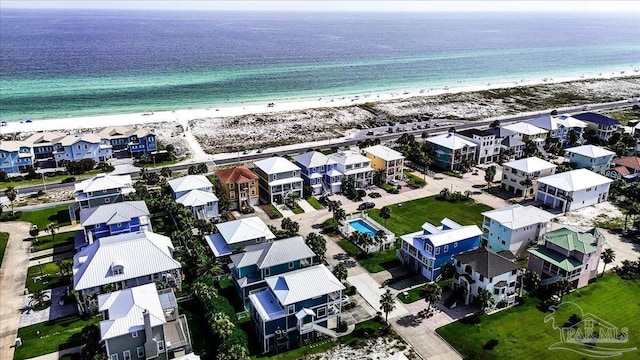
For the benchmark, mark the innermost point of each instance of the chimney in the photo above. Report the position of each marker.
(150, 345)
(147, 325)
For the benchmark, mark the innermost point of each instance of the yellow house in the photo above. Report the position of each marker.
(388, 160)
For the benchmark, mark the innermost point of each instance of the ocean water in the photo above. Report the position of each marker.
(65, 63)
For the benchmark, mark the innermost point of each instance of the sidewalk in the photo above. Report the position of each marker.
(56, 355)
(13, 275)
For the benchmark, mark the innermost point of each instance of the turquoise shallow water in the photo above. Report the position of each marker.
(57, 64)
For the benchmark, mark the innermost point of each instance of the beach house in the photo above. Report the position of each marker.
(387, 162)
(484, 269)
(130, 139)
(560, 127)
(238, 234)
(627, 168)
(511, 147)
(257, 262)
(143, 323)
(603, 126)
(43, 146)
(295, 307)
(487, 146)
(319, 172)
(278, 179)
(590, 157)
(527, 132)
(354, 165)
(516, 173)
(81, 146)
(196, 193)
(573, 190)
(514, 228)
(451, 151)
(112, 219)
(15, 156)
(426, 250)
(240, 186)
(100, 190)
(114, 262)
(567, 254)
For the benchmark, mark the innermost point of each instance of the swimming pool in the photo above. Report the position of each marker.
(361, 226)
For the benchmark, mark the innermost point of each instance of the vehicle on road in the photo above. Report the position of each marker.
(366, 205)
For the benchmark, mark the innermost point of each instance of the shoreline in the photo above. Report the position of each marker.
(184, 116)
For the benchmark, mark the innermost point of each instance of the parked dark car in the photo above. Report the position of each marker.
(366, 205)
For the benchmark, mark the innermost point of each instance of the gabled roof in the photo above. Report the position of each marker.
(245, 229)
(313, 159)
(530, 165)
(574, 180)
(307, 283)
(555, 258)
(544, 122)
(518, 216)
(500, 132)
(511, 142)
(525, 129)
(276, 165)
(583, 242)
(92, 266)
(189, 182)
(348, 157)
(75, 138)
(197, 198)
(596, 119)
(451, 141)
(383, 152)
(475, 132)
(455, 232)
(44, 138)
(104, 182)
(631, 162)
(273, 253)
(126, 308)
(486, 262)
(551, 123)
(590, 151)
(12, 146)
(113, 213)
(570, 122)
(236, 175)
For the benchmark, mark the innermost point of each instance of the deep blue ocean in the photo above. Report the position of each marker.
(61, 63)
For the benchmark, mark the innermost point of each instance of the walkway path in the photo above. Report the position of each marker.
(13, 275)
(56, 355)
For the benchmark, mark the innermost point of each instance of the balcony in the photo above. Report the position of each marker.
(176, 334)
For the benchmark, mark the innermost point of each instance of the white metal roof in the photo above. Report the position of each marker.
(197, 198)
(525, 129)
(570, 122)
(273, 253)
(11, 146)
(590, 151)
(289, 180)
(349, 157)
(575, 180)
(453, 235)
(126, 308)
(217, 245)
(313, 159)
(113, 213)
(189, 182)
(75, 138)
(92, 266)
(303, 284)
(383, 152)
(451, 141)
(530, 164)
(104, 182)
(245, 229)
(276, 165)
(518, 216)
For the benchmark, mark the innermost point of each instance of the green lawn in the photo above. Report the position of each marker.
(411, 215)
(55, 335)
(46, 242)
(51, 279)
(4, 239)
(414, 295)
(315, 203)
(47, 180)
(522, 333)
(415, 181)
(297, 210)
(379, 261)
(42, 217)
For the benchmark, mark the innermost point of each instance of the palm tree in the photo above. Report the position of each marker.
(432, 294)
(607, 256)
(447, 271)
(380, 237)
(485, 298)
(203, 291)
(221, 325)
(317, 244)
(38, 297)
(526, 183)
(562, 287)
(489, 175)
(444, 193)
(340, 271)
(385, 213)
(531, 281)
(339, 214)
(234, 352)
(52, 228)
(387, 304)
(11, 194)
(166, 172)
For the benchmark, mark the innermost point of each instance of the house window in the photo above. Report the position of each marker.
(481, 278)
(468, 269)
(106, 201)
(134, 334)
(232, 195)
(113, 357)
(437, 250)
(126, 355)
(140, 351)
(321, 312)
(428, 248)
(118, 270)
(231, 186)
(514, 272)
(160, 345)
(291, 309)
(119, 224)
(291, 265)
(267, 272)
(455, 244)
(496, 291)
(253, 192)
(446, 248)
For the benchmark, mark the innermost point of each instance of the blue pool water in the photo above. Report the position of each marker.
(363, 227)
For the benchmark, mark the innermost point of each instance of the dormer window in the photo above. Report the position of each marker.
(117, 269)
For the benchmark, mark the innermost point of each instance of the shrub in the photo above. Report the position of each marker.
(489, 345)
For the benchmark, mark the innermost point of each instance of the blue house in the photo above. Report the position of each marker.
(295, 307)
(427, 250)
(130, 139)
(604, 126)
(591, 157)
(112, 219)
(251, 267)
(196, 193)
(15, 156)
(81, 146)
(43, 144)
(320, 172)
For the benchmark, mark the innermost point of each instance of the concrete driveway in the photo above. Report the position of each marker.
(371, 291)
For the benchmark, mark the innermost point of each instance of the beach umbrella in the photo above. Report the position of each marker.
(29, 120)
